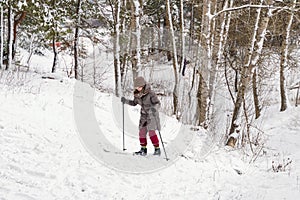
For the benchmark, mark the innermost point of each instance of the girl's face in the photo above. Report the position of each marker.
(139, 88)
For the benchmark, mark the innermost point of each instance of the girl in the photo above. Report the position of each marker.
(149, 119)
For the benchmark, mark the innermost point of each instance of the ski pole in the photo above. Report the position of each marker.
(123, 129)
(162, 142)
(163, 145)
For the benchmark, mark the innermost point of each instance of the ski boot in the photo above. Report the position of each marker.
(156, 151)
(142, 152)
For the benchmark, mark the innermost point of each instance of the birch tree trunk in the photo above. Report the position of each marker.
(218, 51)
(192, 23)
(174, 58)
(283, 60)
(10, 35)
(259, 45)
(226, 19)
(76, 37)
(116, 47)
(205, 39)
(252, 59)
(135, 37)
(182, 44)
(205, 44)
(181, 82)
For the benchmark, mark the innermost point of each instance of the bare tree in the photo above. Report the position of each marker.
(283, 59)
(219, 43)
(252, 59)
(116, 8)
(174, 57)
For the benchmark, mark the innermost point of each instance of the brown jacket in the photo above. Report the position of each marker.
(149, 103)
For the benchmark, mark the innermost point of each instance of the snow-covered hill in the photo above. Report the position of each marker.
(46, 154)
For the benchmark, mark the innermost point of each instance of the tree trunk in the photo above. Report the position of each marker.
(182, 41)
(253, 57)
(159, 39)
(1, 37)
(54, 48)
(174, 58)
(206, 40)
(116, 47)
(283, 98)
(215, 52)
(258, 49)
(10, 36)
(233, 132)
(135, 34)
(54, 37)
(255, 94)
(283, 60)
(123, 19)
(192, 23)
(201, 101)
(76, 37)
(31, 49)
(17, 21)
(166, 37)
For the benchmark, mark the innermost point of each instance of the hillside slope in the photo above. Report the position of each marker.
(44, 154)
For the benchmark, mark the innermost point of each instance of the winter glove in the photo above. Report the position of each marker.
(123, 99)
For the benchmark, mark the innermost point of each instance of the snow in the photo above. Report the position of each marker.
(44, 154)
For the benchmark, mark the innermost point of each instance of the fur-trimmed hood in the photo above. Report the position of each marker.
(146, 89)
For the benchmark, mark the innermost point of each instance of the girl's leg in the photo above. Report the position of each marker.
(142, 136)
(154, 138)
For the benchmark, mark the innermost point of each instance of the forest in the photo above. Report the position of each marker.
(210, 48)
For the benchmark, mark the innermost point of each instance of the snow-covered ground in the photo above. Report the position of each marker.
(44, 154)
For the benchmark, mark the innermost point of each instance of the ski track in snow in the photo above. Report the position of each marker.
(42, 157)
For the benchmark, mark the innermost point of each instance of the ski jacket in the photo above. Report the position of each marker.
(150, 104)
